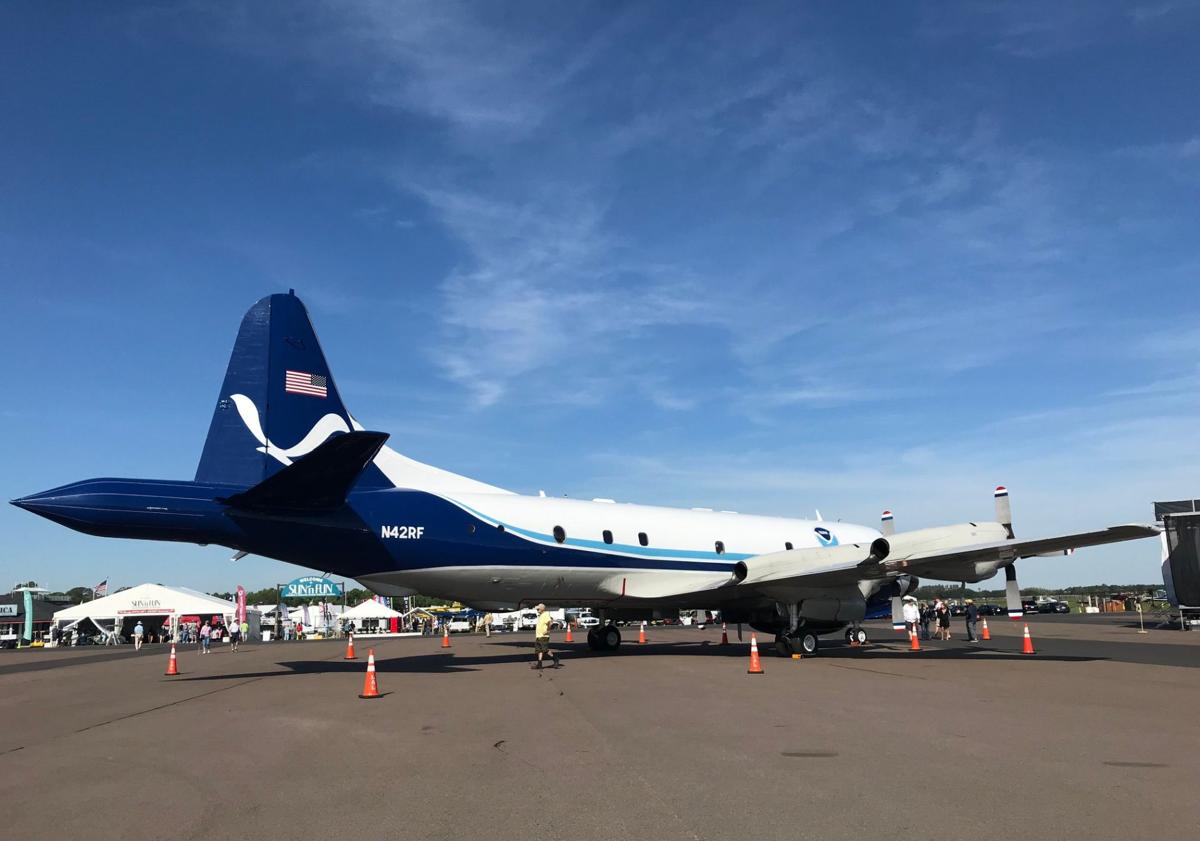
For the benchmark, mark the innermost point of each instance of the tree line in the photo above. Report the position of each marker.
(955, 591)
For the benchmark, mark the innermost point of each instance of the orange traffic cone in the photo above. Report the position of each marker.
(1027, 645)
(916, 641)
(370, 684)
(445, 636)
(172, 666)
(642, 633)
(569, 637)
(724, 634)
(755, 664)
(986, 635)
(350, 648)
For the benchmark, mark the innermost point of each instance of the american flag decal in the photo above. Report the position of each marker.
(298, 382)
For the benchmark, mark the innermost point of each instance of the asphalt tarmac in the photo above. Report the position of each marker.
(1093, 737)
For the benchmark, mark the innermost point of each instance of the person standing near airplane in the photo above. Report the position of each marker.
(912, 615)
(942, 610)
(138, 633)
(541, 638)
(972, 617)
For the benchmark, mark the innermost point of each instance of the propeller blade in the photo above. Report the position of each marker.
(1004, 510)
(739, 632)
(1012, 593)
(887, 524)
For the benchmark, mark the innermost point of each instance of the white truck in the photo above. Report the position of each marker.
(525, 620)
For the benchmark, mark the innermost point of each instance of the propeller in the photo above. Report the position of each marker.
(1012, 590)
(739, 632)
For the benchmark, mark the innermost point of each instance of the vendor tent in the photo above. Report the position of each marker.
(370, 609)
(372, 616)
(316, 616)
(157, 606)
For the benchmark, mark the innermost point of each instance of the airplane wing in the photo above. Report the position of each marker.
(946, 553)
(1006, 551)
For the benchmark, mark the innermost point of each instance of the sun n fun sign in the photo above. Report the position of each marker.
(311, 587)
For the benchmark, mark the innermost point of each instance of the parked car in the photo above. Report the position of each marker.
(1029, 606)
(958, 609)
(589, 622)
(459, 626)
(1054, 607)
(992, 610)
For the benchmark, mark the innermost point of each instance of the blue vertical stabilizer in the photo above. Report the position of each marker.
(278, 402)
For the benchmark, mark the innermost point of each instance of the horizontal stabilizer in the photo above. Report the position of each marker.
(319, 481)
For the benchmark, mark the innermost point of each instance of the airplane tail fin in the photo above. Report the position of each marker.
(278, 402)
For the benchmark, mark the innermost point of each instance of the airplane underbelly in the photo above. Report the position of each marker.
(497, 587)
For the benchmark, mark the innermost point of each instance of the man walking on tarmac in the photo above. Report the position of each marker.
(972, 616)
(541, 638)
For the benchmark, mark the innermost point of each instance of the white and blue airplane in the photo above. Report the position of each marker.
(288, 473)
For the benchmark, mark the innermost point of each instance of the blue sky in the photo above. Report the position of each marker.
(761, 257)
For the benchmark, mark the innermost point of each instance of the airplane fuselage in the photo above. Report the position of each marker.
(492, 550)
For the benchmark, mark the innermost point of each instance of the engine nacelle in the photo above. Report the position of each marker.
(763, 569)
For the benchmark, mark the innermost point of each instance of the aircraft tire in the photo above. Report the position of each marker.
(783, 645)
(610, 638)
(593, 640)
(807, 643)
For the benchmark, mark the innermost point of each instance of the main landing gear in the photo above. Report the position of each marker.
(803, 642)
(604, 638)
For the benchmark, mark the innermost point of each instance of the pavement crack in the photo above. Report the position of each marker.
(875, 671)
(167, 705)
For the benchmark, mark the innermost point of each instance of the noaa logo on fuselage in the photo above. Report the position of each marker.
(825, 537)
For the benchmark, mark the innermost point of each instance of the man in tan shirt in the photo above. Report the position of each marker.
(541, 638)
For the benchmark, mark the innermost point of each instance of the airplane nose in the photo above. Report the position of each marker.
(39, 503)
(26, 502)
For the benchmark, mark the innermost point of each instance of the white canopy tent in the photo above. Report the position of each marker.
(371, 615)
(155, 604)
(370, 609)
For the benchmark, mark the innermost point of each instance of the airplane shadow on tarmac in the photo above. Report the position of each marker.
(440, 662)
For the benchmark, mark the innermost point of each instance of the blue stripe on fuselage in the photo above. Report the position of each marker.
(456, 535)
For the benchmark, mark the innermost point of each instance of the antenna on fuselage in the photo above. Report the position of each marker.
(819, 517)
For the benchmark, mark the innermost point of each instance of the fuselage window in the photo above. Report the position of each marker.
(720, 547)
(560, 534)
(471, 528)
(607, 536)
(642, 539)
(500, 526)
(788, 546)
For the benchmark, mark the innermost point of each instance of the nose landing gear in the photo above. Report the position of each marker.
(604, 638)
(856, 635)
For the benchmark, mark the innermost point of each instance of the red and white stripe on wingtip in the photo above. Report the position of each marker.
(1001, 491)
(886, 515)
